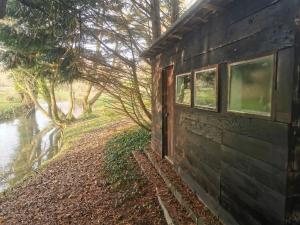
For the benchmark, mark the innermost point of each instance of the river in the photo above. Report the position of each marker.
(25, 143)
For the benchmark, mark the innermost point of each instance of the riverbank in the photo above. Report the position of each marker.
(10, 108)
(93, 179)
(86, 184)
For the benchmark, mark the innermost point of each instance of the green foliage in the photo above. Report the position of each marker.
(9, 108)
(118, 168)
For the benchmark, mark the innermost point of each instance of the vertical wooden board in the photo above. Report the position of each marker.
(284, 85)
(157, 105)
(223, 87)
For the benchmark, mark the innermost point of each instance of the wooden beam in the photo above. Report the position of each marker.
(200, 19)
(184, 29)
(174, 36)
(212, 7)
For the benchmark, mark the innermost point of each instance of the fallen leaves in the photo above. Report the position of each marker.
(73, 190)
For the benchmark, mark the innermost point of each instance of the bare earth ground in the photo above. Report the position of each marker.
(72, 190)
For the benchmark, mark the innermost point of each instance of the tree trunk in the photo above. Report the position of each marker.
(175, 10)
(155, 19)
(70, 115)
(85, 101)
(2, 8)
(55, 115)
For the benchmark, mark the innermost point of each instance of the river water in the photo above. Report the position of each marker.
(26, 142)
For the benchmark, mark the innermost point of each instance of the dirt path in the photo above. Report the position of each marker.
(72, 190)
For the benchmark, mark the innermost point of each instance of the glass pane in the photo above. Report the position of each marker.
(183, 89)
(251, 86)
(205, 88)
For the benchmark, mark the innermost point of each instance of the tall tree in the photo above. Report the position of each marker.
(2, 8)
(64, 45)
(155, 19)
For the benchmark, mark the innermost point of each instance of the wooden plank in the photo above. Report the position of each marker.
(259, 150)
(284, 85)
(210, 202)
(254, 45)
(274, 16)
(204, 150)
(198, 220)
(239, 210)
(259, 198)
(203, 169)
(167, 216)
(202, 179)
(260, 171)
(193, 120)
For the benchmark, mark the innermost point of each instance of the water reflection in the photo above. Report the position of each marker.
(24, 144)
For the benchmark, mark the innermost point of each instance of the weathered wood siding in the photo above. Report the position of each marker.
(237, 164)
(293, 191)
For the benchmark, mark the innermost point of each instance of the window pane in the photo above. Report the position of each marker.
(205, 88)
(183, 89)
(251, 86)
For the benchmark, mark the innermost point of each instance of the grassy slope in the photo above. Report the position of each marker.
(101, 116)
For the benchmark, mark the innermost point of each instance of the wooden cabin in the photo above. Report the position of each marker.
(226, 97)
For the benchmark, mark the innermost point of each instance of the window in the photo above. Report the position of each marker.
(250, 86)
(205, 88)
(183, 89)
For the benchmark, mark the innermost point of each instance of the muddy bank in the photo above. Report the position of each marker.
(72, 189)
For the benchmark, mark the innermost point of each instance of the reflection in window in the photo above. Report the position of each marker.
(250, 86)
(183, 89)
(206, 88)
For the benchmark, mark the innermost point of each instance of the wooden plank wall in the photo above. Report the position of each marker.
(293, 192)
(239, 162)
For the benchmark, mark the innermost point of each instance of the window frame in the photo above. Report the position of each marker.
(176, 77)
(203, 69)
(273, 85)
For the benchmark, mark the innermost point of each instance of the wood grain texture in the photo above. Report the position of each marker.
(240, 163)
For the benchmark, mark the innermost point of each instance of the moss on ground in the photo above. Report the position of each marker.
(119, 169)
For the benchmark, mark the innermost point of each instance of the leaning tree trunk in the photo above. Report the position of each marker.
(2, 8)
(70, 115)
(85, 101)
(54, 109)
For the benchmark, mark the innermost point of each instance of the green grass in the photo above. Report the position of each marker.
(102, 115)
(119, 170)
